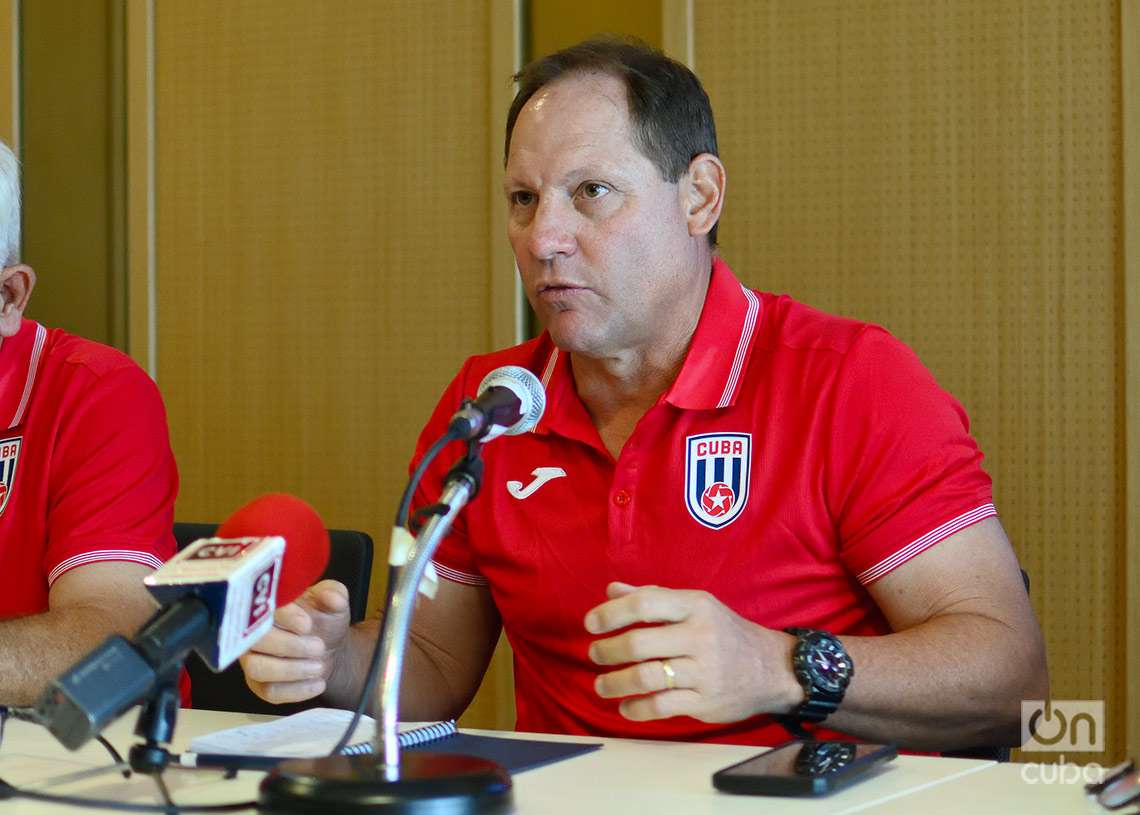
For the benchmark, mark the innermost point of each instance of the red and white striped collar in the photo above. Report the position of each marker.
(722, 344)
(714, 367)
(20, 358)
(564, 411)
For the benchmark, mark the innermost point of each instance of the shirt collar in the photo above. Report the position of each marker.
(565, 414)
(711, 375)
(20, 357)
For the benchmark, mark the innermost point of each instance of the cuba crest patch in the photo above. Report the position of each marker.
(717, 470)
(9, 457)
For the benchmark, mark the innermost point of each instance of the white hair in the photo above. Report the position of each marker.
(9, 206)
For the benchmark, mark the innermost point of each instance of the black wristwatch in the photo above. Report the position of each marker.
(822, 666)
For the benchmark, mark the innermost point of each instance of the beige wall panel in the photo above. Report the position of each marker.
(70, 219)
(9, 71)
(556, 24)
(952, 171)
(323, 244)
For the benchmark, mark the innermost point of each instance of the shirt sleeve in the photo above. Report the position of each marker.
(113, 477)
(903, 472)
(453, 559)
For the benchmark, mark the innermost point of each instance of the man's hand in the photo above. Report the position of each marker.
(296, 660)
(725, 668)
(313, 651)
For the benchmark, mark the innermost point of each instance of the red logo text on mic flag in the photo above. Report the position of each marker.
(220, 551)
(261, 604)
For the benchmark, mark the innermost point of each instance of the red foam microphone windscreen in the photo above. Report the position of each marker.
(306, 539)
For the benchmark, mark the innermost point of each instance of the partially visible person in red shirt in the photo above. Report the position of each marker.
(87, 483)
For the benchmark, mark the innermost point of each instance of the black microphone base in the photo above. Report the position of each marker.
(428, 784)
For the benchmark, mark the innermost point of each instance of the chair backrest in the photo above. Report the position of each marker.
(350, 562)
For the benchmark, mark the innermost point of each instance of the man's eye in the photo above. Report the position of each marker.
(592, 189)
(522, 198)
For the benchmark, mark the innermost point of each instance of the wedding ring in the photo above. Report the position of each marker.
(670, 675)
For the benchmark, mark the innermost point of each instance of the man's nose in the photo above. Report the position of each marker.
(552, 232)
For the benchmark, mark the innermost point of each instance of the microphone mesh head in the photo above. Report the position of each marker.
(526, 387)
(306, 539)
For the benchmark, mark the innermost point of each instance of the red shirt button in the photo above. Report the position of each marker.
(621, 498)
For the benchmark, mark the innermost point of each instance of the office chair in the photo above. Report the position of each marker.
(350, 562)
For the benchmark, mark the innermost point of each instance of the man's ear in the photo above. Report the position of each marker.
(703, 190)
(16, 284)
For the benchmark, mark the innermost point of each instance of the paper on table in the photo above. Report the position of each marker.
(312, 732)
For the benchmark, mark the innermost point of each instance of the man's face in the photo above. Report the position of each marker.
(601, 239)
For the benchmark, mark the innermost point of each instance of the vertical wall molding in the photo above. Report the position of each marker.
(507, 306)
(677, 31)
(1130, 260)
(139, 82)
(117, 287)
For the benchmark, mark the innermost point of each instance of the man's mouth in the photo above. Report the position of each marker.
(553, 289)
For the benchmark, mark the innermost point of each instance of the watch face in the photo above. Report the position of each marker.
(829, 664)
(821, 757)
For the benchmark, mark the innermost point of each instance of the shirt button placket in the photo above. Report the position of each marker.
(621, 526)
(622, 544)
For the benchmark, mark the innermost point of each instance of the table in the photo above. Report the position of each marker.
(625, 777)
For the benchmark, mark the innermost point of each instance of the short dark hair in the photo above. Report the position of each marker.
(669, 110)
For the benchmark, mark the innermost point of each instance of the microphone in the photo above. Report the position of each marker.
(510, 401)
(216, 597)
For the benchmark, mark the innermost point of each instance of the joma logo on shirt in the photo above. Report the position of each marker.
(9, 458)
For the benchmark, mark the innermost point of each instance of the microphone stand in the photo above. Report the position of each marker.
(156, 727)
(385, 781)
(460, 486)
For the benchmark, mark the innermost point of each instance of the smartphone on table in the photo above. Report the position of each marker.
(803, 768)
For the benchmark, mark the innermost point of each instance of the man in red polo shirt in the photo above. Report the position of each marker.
(735, 508)
(87, 483)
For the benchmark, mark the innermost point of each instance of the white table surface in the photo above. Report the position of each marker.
(623, 777)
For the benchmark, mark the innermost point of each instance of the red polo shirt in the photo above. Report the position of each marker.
(86, 471)
(797, 458)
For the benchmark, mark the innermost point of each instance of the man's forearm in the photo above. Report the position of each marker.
(39, 647)
(954, 681)
(428, 690)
